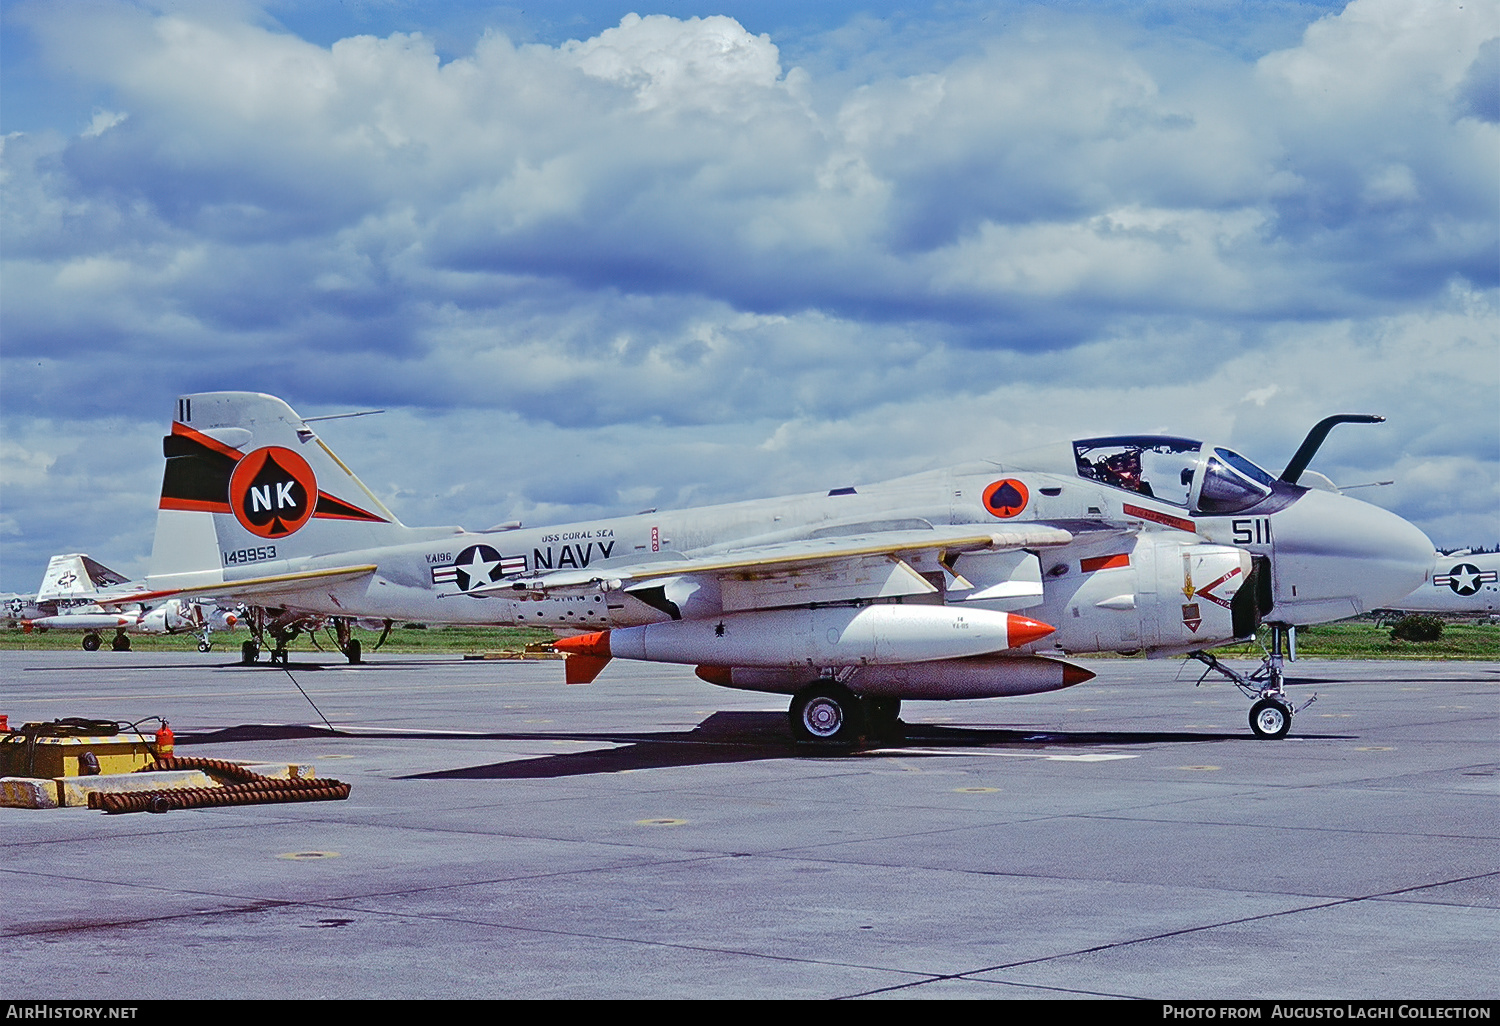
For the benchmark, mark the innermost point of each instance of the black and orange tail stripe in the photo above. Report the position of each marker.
(329, 508)
(196, 479)
(197, 473)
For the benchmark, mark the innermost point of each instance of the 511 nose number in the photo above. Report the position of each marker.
(1252, 531)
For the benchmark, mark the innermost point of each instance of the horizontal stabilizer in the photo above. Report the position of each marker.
(284, 586)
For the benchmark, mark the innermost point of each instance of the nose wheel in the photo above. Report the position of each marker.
(1270, 719)
(1271, 715)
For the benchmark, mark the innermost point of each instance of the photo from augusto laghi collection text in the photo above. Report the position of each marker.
(1359, 1010)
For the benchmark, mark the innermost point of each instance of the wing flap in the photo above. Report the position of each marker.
(836, 580)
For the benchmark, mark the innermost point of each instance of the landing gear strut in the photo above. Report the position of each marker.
(1271, 715)
(344, 636)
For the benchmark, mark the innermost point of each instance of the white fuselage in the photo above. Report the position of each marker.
(1120, 586)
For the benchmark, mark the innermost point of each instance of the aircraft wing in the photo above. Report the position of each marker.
(283, 586)
(878, 564)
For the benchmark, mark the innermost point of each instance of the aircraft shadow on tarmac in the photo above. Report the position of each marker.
(724, 737)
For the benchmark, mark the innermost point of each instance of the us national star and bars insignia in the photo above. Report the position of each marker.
(477, 566)
(1465, 578)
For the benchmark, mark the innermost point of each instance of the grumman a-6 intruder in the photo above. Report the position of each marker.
(969, 582)
(80, 594)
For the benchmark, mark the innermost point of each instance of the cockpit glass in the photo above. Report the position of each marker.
(1232, 483)
(1153, 465)
(1244, 466)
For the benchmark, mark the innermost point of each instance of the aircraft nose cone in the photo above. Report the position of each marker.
(1401, 555)
(1337, 557)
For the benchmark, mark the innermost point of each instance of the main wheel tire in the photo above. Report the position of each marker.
(354, 650)
(204, 646)
(120, 644)
(91, 642)
(826, 714)
(1270, 719)
(249, 653)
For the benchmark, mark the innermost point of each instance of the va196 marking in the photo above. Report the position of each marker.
(254, 555)
(575, 556)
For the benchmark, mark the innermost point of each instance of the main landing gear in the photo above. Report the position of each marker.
(250, 650)
(283, 628)
(92, 641)
(827, 713)
(343, 636)
(1271, 715)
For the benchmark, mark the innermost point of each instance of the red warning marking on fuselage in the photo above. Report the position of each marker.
(1093, 563)
(1006, 498)
(1165, 519)
(1207, 590)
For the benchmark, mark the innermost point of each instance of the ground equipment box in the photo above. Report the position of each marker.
(23, 755)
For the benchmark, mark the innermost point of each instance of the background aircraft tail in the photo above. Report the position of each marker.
(75, 576)
(248, 486)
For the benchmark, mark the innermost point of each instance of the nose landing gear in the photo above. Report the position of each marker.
(1270, 718)
(1271, 715)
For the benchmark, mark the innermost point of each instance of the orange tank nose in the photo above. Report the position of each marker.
(596, 644)
(1022, 630)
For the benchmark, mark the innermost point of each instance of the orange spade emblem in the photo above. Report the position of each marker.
(1006, 498)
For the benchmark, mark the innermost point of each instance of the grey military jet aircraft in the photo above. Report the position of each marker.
(1463, 583)
(969, 582)
(78, 593)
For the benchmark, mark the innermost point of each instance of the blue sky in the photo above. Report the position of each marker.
(601, 256)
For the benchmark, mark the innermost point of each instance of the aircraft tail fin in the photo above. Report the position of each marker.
(249, 485)
(101, 575)
(67, 577)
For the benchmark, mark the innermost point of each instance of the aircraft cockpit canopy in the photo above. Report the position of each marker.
(1174, 470)
(1231, 483)
(1153, 465)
